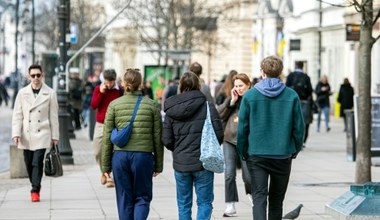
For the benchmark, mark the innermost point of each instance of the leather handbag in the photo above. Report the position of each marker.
(211, 153)
(121, 137)
(53, 164)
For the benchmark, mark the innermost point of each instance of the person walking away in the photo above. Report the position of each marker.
(323, 91)
(181, 134)
(205, 89)
(135, 164)
(35, 125)
(270, 134)
(76, 98)
(88, 91)
(225, 90)
(300, 82)
(228, 112)
(103, 94)
(346, 99)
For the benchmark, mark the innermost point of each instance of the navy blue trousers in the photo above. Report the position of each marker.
(133, 173)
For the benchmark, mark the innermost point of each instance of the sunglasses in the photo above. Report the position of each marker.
(38, 75)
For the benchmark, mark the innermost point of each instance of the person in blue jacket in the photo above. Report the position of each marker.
(270, 135)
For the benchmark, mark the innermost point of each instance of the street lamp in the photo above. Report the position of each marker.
(62, 95)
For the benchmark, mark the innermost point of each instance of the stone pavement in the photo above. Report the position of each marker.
(320, 174)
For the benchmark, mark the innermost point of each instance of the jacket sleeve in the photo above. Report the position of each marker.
(243, 129)
(107, 146)
(96, 98)
(158, 147)
(225, 109)
(167, 134)
(298, 125)
(216, 123)
(53, 116)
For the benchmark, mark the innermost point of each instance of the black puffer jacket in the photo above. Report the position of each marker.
(182, 128)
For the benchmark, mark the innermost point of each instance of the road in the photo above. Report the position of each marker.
(5, 136)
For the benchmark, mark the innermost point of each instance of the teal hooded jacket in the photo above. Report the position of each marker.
(270, 121)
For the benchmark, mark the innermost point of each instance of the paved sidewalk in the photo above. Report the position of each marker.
(320, 174)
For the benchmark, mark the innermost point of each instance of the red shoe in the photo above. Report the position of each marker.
(35, 197)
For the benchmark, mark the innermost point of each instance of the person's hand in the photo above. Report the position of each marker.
(234, 97)
(155, 174)
(16, 140)
(53, 141)
(102, 88)
(108, 175)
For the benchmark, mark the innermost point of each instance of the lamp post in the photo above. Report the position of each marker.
(62, 95)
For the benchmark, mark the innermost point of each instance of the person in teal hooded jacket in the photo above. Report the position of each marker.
(270, 135)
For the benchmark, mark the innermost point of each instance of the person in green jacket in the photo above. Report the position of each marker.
(134, 164)
(270, 135)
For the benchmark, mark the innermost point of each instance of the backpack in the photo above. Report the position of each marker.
(299, 85)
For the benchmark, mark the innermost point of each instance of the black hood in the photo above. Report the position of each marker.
(184, 105)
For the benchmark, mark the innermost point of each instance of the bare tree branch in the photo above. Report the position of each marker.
(377, 38)
(377, 17)
(336, 5)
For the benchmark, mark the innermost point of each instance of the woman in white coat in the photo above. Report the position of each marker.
(35, 125)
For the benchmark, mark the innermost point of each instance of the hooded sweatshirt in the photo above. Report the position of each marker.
(182, 128)
(270, 121)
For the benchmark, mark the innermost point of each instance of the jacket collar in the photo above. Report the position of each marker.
(42, 96)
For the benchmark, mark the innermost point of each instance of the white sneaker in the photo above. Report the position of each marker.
(250, 199)
(230, 210)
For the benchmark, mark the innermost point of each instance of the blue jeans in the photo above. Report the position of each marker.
(231, 158)
(133, 173)
(276, 172)
(326, 114)
(203, 182)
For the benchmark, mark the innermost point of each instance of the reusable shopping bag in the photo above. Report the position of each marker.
(211, 152)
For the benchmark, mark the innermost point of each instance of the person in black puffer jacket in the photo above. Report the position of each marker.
(181, 134)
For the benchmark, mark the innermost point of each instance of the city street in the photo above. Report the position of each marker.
(320, 174)
(5, 136)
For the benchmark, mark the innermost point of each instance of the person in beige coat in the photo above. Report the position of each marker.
(35, 125)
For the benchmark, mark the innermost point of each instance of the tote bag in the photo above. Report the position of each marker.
(211, 153)
(53, 164)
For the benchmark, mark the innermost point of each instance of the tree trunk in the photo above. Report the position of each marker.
(363, 153)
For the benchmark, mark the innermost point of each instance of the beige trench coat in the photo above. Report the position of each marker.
(35, 119)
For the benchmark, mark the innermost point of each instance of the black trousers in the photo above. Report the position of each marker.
(34, 162)
(276, 172)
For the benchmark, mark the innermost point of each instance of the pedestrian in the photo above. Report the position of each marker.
(103, 94)
(323, 91)
(346, 99)
(299, 81)
(76, 98)
(225, 90)
(35, 125)
(134, 164)
(228, 112)
(87, 96)
(205, 89)
(182, 131)
(270, 134)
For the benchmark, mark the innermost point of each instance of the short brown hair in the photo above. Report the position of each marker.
(272, 66)
(244, 78)
(196, 68)
(109, 74)
(132, 80)
(188, 82)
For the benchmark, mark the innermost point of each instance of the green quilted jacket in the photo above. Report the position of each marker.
(146, 132)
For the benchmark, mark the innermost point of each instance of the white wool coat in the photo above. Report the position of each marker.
(35, 119)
